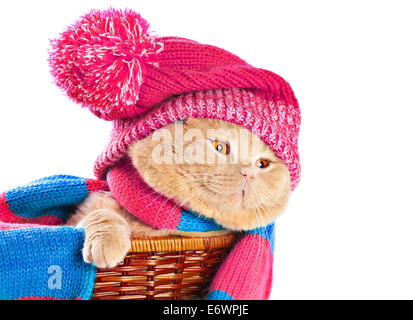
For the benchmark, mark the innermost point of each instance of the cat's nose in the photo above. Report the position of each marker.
(246, 173)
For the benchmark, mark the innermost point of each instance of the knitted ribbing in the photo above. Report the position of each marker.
(276, 123)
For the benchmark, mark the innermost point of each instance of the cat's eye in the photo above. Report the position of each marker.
(262, 163)
(221, 147)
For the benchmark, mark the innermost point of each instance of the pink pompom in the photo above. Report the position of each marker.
(101, 60)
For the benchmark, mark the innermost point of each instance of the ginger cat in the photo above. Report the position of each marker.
(220, 170)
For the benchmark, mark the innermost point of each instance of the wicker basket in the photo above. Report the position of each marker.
(161, 268)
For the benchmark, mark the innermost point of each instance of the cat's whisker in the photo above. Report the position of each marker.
(156, 214)
(260, 248)
(264, 210)
(256, 215)
(151, 193)
(261, 192)
(178, 204)
(150, 203)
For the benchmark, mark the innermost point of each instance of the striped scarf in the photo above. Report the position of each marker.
(35, 249)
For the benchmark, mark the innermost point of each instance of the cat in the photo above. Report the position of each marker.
(244, 186)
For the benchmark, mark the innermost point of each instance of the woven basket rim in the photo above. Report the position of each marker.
(180, 243)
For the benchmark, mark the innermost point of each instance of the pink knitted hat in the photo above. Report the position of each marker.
(111, 64)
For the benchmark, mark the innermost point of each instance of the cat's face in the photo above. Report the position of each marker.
(217, 169)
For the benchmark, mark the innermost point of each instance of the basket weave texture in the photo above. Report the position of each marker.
(164, 268)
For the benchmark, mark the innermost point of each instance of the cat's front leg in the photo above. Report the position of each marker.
(107, 238)
(108, 229)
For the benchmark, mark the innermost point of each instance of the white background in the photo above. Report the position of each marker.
(348, 230)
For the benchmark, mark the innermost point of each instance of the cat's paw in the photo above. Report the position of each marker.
(106, 251)
(107, 240)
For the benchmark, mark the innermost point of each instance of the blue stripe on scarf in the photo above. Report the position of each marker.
(51, 192)
(32, 259)
(219, 295)
(193, 222)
